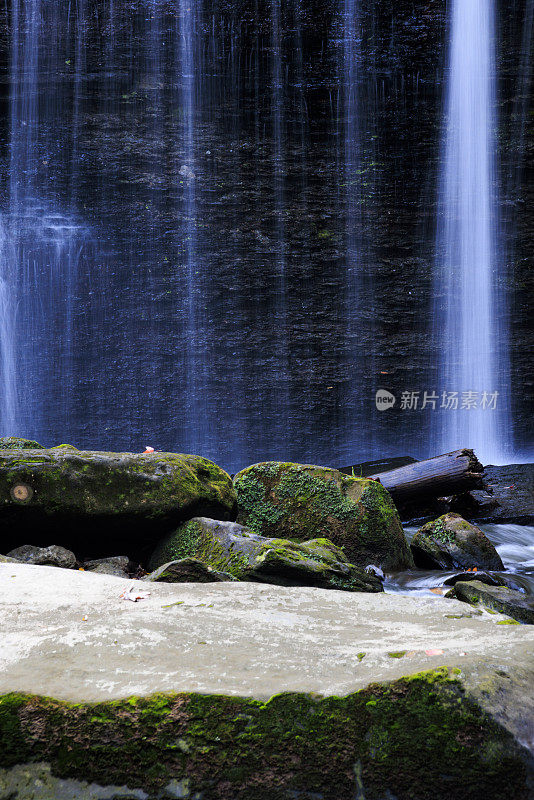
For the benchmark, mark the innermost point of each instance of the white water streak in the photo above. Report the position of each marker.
(471, 332)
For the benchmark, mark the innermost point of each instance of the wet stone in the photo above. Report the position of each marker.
(498, 598)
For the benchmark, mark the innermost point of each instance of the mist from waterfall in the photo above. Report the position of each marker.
(470, 288)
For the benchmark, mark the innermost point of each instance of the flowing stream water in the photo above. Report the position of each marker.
(515, 545)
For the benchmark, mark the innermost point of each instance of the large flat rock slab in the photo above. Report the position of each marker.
(70, 635)
(241, 691)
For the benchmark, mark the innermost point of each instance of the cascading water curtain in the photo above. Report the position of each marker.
(8, 397)
(43, 235)
(196, 377)
(279, 134)
(356, 294)
(470, 318)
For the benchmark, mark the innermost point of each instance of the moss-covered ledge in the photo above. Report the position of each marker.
(93, 502)
(419, 737)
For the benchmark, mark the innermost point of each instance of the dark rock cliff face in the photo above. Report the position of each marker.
(343, 333)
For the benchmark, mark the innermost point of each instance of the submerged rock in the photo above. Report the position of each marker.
(52, 556)
(301, 502)
(187, 570)
(498, 598)
(96, 501)
(232, 548)
(450, 542)
(483, 577)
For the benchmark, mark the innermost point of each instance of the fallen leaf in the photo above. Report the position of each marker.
(434, 652)
(438, 590)
(134, 594)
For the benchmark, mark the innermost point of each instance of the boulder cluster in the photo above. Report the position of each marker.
(177, 518)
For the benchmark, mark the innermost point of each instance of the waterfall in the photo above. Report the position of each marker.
(8, 404)
(356, 288)
(471, 308)
(281, 378)
(210, 225)
(351, 139)
(195, 324)
(43, 235)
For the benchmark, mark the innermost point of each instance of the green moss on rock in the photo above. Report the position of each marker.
(419, 738)
(210, 541)
(231, 548)
(497, 599)
(15, 443)
(450, 542)
(66, 481)
(301, 502)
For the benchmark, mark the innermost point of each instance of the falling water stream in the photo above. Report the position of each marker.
(470, 286)
(45, 241)
(8, 407)
(196, 345)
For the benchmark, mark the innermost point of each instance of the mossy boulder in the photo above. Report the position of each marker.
(418, 738)
(450, 542)
(95, 501)
(231, 548)
(187, 570)
(300, 502)
(15, 443)
(497, 598)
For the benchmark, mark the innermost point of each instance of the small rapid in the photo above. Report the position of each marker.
(514, 543)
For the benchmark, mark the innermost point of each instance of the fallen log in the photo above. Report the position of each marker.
(367, 468)
(452, 473)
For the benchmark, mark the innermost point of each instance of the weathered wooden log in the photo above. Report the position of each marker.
(452, 473)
